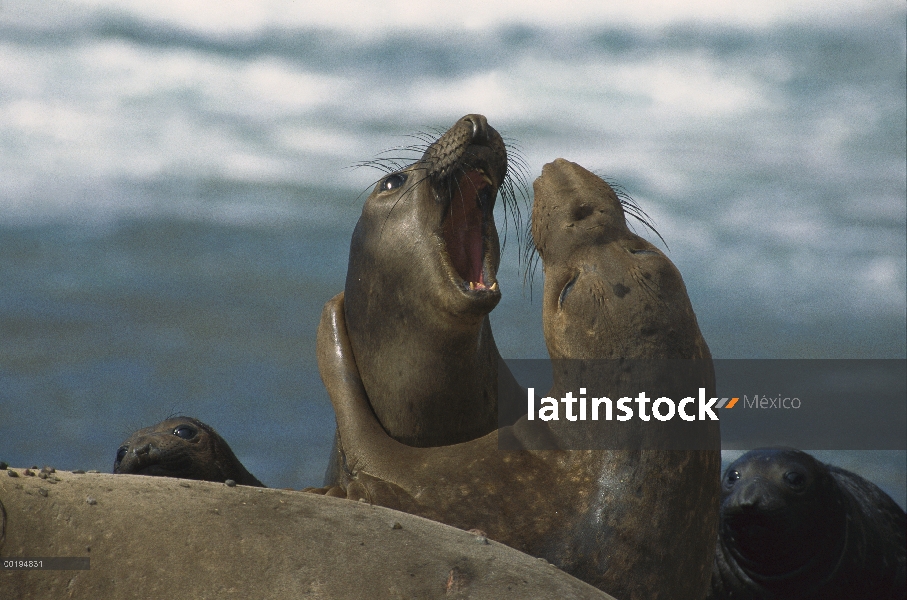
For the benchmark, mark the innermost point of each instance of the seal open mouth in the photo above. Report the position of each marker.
(462, 229)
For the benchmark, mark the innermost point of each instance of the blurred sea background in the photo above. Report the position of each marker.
(176, 201)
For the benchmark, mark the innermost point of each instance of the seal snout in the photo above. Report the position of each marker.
(144, 449)
(479, 128)
(571, 203)
(466, 166)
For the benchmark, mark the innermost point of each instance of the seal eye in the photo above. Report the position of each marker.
(185, 431)
(794, 479)
(393, 182)
(121, 453)
(732, 476)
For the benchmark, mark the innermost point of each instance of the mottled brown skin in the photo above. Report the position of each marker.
(181, 447)
(610, 294)
(613, 518)
(419, 287)
(792, 528)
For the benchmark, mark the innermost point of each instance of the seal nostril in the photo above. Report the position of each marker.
(582, 211)
(620, 290)
(479, 127)
(143, 449)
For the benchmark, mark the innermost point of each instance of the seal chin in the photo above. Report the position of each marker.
(756, 533)
(154, 470)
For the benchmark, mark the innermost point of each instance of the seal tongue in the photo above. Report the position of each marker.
(462, 230)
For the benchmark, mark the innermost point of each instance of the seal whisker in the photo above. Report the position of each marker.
(425, 137)
(385, 164)
(513, 211)
(418, 150)
(531, 257)
(397, 163)
(631, 207)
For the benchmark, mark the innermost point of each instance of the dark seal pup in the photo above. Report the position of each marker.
(793, 528)
(420, 284)
(611, 518)
(181, 447)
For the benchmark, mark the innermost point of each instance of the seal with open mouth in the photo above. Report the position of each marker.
(794, 528)
(610, 518)
(181, 447)
(420, 284)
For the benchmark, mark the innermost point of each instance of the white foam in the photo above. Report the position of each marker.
(385, 18)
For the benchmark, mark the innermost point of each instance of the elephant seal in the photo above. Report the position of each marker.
(610, 518)
(181, 447)
(420, 284)
(794, 528)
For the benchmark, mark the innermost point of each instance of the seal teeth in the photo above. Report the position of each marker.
(485, 176)
(478, 285)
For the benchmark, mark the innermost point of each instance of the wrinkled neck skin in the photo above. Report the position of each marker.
(431, 374)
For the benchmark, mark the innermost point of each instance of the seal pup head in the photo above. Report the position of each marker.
(181, 447)
(782, 515)
(608, 292)
(421, 280)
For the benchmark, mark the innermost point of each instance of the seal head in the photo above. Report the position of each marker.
(792, 527)
(181, 447)
(781, 513)
(420, 284)
(608, 292)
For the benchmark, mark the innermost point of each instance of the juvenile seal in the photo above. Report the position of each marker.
(610, 518)
(181, 447)
(794, 528)
(420, 284)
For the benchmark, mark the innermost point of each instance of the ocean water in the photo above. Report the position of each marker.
(176, 197)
